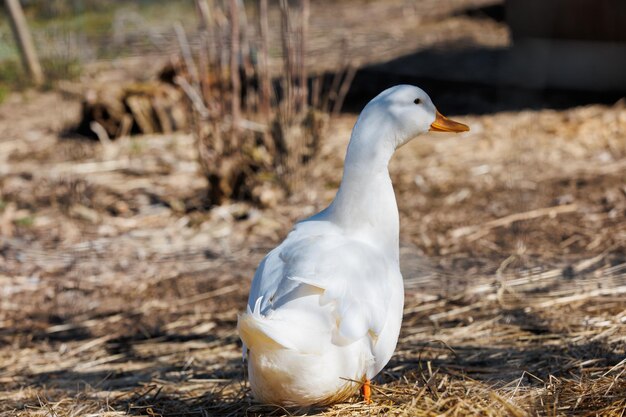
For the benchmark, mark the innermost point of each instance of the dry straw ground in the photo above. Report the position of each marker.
(118, 297)
(119, 292)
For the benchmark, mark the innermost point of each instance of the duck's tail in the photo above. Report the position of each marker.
(259, 332)
(292, 360)
(292, 331)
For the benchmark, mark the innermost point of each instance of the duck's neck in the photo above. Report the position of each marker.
(365, 204)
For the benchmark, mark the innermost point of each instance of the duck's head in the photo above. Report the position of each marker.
(404, 112)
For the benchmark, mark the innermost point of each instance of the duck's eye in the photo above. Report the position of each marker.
(417, 101)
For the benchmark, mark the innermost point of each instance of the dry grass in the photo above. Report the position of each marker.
(119, 291)
(118, 297)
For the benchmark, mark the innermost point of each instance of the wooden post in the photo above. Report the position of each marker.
(24, 41)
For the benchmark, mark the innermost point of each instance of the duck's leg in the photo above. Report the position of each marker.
(367, 391)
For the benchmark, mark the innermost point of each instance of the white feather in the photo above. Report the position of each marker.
(325, 306)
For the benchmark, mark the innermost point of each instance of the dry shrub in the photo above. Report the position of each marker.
(256, 133)
(257, 166)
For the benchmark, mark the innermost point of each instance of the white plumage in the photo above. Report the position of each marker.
(325, 307)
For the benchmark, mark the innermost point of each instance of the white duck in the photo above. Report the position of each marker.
(325, 307)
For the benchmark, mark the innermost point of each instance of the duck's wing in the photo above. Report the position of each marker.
(347, 274)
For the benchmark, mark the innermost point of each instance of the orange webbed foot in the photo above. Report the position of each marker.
(367, 391)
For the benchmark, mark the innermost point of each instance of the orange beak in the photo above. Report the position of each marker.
(443, 124)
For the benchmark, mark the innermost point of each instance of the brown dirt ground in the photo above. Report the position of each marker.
(119, 293)
(118, 297)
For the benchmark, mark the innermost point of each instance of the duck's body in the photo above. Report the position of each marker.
(332, 318)
(325, 307)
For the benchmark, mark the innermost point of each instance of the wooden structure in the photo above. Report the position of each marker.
(567, 20)
(572, 44)
(115, 110)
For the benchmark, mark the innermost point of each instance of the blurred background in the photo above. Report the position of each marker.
(152, 152)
